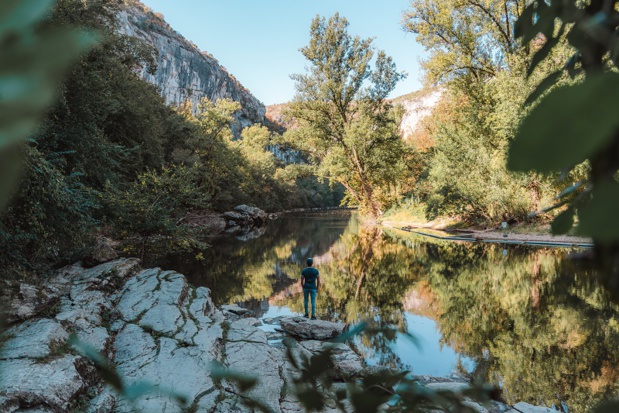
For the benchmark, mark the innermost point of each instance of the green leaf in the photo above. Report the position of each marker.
(244, 381)
(524, 25)
(576, 38)
(142, 388)
(570, 189)
(563, 222)
(598, 217)
(20, 14)
(29, 76)
(138, 390)
(607, 407)
(614, 49)
(351, 333)
(570, 125)
(570, 66)
(543, 86)
(546, 16)
(550, 208)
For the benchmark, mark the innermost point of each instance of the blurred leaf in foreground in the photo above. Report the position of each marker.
(33, 60)
(598, 218)
(570, 125)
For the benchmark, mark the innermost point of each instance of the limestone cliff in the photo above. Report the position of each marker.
(184, 72)
(418, 106)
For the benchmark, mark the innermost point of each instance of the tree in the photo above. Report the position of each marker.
(466, 38)
(577, 123)
(477, 59)
(345, 121)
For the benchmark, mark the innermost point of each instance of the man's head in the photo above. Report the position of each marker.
(310, 262)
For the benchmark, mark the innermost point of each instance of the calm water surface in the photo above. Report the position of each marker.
(530, 320)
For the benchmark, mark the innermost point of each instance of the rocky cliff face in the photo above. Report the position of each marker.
(417, 106)
(183, 71)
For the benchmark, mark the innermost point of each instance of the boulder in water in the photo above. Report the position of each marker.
(307, 329)
(257, 215)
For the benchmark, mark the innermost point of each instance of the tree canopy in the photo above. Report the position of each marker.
(346, 124)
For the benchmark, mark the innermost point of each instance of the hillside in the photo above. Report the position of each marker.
(183, 71)
(417, 105)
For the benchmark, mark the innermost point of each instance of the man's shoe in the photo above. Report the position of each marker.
(313, 317)
(306, 316)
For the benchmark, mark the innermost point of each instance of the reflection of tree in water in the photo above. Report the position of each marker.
(364, 279)
(533, 321)
(536, 323)
(238, 271)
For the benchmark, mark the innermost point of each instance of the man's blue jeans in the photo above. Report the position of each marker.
(306, 293)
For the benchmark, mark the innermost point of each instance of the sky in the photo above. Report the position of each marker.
(258, 41)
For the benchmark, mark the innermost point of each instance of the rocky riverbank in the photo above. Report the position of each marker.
(160, 333)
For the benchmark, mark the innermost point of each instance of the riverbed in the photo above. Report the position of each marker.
(530, 320)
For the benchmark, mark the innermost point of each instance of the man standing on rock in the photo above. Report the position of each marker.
(310, 281)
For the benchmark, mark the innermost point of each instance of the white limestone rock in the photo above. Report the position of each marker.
(33, 339)
(247, 351)
(307, 329)
(184, 73)
(347, 363)
(137, 296)
(244, 331)
(163, 318)
(54, 384)
(523, 407)
(8, 405)
(96, 337)
(134, 348)
(452, 386)
(23, 301)
(183, 371)
(257, 215)
(235, 309)
(105, 402)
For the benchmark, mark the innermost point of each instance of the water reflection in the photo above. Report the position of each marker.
(252, 271)
(534, 322)
(531, 320)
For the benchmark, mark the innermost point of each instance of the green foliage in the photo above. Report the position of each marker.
(110, 155)
(588, 129)
(346, 125)
(474, 54)
(32, 61)
(468, 40)
(32, 64)
(546, 336)
(556, 129)
(50, 216)
(597, 216)
(153, 204)
(105, 128)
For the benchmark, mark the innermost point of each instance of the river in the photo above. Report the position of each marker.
(530, 320)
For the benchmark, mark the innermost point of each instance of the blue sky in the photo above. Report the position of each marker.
(258, 41)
